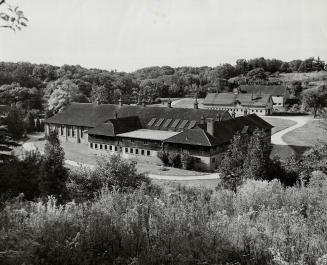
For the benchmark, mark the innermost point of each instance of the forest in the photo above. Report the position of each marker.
(29, 85)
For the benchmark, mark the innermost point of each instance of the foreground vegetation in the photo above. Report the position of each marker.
(263, 223)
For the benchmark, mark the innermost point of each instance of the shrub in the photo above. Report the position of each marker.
(164, 157)
(175, 160)
(188, 162)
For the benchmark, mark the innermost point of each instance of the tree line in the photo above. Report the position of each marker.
(51, 88)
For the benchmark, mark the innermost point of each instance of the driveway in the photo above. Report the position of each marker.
(277, 138)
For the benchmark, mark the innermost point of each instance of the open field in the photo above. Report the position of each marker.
(279, 124)
(307, 135)
(312, 76)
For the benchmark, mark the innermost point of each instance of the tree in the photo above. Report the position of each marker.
(257, 75)
(118, 172)
(11, 17)
(53, 172)
(315, 99)
(29, 124)
(258, 151)
(231, 166)
(15, 123)
(102, 95)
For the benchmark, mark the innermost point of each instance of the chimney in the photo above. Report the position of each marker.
(245, 111)
(203, 119)
(218, 117)
(169, 103)
(196, 103)
(211, 126)
(120, 102)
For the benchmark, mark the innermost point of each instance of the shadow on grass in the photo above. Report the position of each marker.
(286, 151)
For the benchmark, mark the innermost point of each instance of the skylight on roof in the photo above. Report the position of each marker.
(182, 124)
(174, 125)
(167, 122)
(159, 122)
(151, 122)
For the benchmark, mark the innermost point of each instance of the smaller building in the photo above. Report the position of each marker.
(279, 93)
(240, 103)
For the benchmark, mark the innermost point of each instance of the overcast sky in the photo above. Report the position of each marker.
(130, 34)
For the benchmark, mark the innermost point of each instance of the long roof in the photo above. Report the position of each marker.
(91, 115)
(274, 90)
(231, 99)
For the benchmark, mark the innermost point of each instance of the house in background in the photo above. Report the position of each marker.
(279, 93)
(140, 132)
(240, 103)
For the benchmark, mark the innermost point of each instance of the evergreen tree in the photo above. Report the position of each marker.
(15, 123)
(257, 158)
(53, 172)
(29, 124)
(231, 167)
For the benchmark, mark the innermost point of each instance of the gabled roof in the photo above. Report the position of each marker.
(196, 136)
(91, 115)
(274, 90)
(231, 99)
(116, 126)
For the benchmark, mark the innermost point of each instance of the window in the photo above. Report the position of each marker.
(105, 147)
(110, 147)
(73, 131)
(82, 133)
(126, 149)
(132, 140)
(131, 150)
(145, 142)
(142, 152)
(68, 130)
(100, 146)
(116, 148)
(96, 146)
(91, 145)
(61, 130)
(136, 151)
(147, 152)
(260, 110)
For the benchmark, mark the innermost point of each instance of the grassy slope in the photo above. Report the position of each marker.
(308, 135)
(313, 76)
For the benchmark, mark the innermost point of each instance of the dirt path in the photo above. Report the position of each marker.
(277, 138)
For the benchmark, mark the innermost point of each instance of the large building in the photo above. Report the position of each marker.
(240, 103)
(140, 132)
(279, 93)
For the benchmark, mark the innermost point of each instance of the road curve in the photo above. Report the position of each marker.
(277, 138)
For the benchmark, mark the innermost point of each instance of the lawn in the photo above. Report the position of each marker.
(307, 135)
(210, 184)
(80, 153)
(188, 103)
(279, 124)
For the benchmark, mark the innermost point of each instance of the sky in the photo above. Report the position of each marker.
(130, 34)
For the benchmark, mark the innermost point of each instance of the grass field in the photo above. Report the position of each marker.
(313, 76)
(279, 124)
(308, 135)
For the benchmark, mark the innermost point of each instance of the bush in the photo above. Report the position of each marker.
(175, 160)
(188, 162)
(164, 157)
(263, 223)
